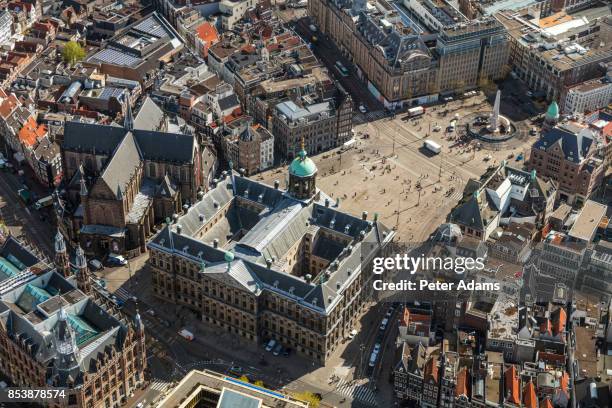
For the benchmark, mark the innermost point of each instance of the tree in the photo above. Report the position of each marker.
(259, 383)
(244, 378)
(73, 52)
(312, 399)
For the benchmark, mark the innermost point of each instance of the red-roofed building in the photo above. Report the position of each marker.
(430, 383)
(530, 399)
(565, 381)
(551, 358)
(559, 321)
(12, 63)
(512, 386)
(206, 36)
(547, 403)
(31, 133)
(41, 154)
(415, 328)
(462, 392)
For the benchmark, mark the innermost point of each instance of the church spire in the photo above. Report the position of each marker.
(60, 244)
(81, 262)
(83, 282)
(62, 262)
(83, 191)
(66, 363)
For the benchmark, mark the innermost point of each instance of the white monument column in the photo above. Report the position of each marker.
(494, 121)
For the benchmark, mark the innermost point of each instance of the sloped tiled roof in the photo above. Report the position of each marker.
(163, 146)
(565, 136)
(122, 166)
(31, 132)
(462, 383)
(207, 32)
(559, 321)
(431, 370)
(511, 385)
(149, 116)
(530, 400)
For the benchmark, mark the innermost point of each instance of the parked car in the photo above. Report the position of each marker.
(271, 345)
(363, 109)
(287, 352)
(383, 324)
(116, 260)
(373, 358)
(277, 350)
(376, 347)
(389, 312)
(95, 265)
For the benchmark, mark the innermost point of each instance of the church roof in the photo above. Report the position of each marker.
(122, 166)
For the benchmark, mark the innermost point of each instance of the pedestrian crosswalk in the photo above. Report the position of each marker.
(159, 385)
(375, 115)
(123, 294)
(361, 393)
(368, 117)
(456, 196)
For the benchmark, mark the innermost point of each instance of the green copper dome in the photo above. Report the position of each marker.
(553, 111)
(229, 256)
(302, 166)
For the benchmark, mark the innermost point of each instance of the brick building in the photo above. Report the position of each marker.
(569, 155)
(123, 179)
(57, 331)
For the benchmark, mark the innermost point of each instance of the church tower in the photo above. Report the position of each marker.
(302, 176)
(552, 115)
(83, 281)
(62, 262)
(139, 338)
(66, 366)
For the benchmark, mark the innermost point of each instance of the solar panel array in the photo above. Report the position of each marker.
(115, 57)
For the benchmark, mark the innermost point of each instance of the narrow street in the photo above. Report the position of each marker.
(22, 221)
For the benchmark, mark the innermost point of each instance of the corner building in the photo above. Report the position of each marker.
(59, 332)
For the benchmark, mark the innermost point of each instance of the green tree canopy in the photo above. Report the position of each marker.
(73, 52)
(312, 399)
